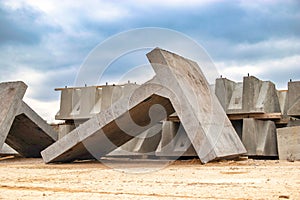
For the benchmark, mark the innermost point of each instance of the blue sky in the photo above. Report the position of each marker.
(44, 43)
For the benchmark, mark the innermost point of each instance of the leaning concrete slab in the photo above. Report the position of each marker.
(29, 133)
(20, 127)
(289, 143)
(185, 90)
(259, 137)
(11, 94)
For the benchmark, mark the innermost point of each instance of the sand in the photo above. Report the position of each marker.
(247, 179)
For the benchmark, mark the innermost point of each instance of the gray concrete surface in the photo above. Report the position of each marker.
(259, 137)
(289, 143)
(7, 150)
(185, 91)
(174, 141)
(293, 98)
(20, 127)
(145, 144)
(29, 133)
(11, 94)
(82, 103)
(251, 96)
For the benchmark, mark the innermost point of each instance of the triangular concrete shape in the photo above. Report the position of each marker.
(179, 85)
(20, 127)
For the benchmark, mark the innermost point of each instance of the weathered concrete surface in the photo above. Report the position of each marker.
(293, 123)
(29, 133)
(20, 127)
(174, 141)
(11, 94)
(82, 103)
(289, 143)
(144, 144)
(64, 129)
(7, 150)
(293, 97)
(185, 90)
(251, 96)
(259, 137)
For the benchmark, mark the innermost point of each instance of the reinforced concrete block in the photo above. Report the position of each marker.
(29, 133)
(174, 141)
(289, 143)
(144, 144)
(185, 91)
(20, 127)
(251, 96)
(82, 103)
(293, 96)
(259, 137)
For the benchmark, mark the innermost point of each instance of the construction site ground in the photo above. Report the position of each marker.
(22, 178)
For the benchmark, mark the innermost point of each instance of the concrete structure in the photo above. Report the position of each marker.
(259, 137)
(185, 91)
(251, 96)
(7, 150)
(289, 143)
(174, 142)
(82, 103)
(20, 127)
(144, 144)
(293, 99)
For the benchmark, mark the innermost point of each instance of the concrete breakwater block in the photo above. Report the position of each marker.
(250, 96)
(289, 143)
(259, 137)
(293, 98)
(185, 90)
(20, 127)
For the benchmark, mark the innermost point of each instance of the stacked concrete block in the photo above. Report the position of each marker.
(20, 127)
(293, 99)
(7, 150)
(259, 137)
(251, 96)
(289, 143)
(82, 103)
(185, 91)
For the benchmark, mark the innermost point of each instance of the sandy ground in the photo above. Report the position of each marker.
(247, 179)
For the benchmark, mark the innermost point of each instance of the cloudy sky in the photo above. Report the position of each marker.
(44, 43)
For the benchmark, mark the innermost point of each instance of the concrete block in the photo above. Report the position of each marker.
(82, 103)
(174, 142)
(144, 144)
(292, 123)
(185, 91)
(289, 143)
(293, 97)
(29, 133)
(259, 137)
(20, 127)
(251, 96)
(11, 94)
(64, 129)
(7, 150)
